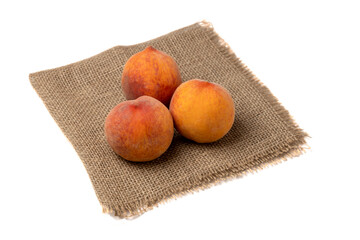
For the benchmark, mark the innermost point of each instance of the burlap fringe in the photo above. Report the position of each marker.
(198, 183)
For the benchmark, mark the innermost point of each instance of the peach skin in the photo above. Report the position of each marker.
(139, 130)
(202, 111)
(152, 73)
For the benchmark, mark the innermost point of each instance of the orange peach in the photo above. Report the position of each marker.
(152, 73)
(202, 111)
(139, 130)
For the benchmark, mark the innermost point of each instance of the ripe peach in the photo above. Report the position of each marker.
(152, 73)
(202, 111)
(139, 130)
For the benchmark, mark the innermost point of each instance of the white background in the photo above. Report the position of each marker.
(306, 52)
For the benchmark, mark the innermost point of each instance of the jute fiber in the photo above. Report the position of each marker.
(80, 95)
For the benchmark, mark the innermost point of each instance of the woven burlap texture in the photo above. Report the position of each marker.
(80, 95)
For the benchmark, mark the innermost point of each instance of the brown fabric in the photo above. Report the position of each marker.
(79, 96)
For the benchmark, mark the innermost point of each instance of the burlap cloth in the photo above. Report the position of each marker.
(80, 95)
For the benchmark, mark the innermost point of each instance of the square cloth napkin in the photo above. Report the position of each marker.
(80, 95)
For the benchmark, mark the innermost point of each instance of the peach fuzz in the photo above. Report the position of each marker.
(202, 111)
(139, 130)
(152, 73)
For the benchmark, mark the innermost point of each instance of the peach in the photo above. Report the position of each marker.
(139, 130)
(152, 73)
(202, 111)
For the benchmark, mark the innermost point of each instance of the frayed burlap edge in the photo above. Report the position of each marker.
(236, 170)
